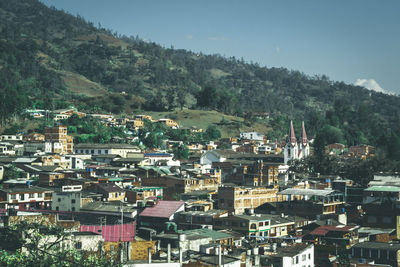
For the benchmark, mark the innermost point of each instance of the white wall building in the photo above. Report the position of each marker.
(254, 136)
(69, 199)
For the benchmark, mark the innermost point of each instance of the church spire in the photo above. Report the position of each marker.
(304, 139)
(291, 136)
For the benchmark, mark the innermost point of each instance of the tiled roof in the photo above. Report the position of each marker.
(163, 209)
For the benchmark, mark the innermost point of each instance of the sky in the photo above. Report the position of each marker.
(355, 41)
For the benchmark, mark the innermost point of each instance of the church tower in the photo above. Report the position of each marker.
(290, 151)
(304, 146)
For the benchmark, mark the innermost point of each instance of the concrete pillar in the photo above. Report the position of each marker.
(169, 253)
(180, 256)
(149, 255)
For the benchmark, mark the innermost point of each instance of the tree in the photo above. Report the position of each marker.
(212, 133)
(42, 247)
(181, 151)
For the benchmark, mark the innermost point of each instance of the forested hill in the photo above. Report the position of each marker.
(51, 59)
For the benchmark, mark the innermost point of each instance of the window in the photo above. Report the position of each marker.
(260, 224)
(253, 226)
(106, 151)
(57, 208)
(303, 257)
(78, 245)
(272, 230)
(13, 196)
(73, 208)
(73, 201)
(31, 195)
(297, 259)
(266, 223)
(59, 199)
(387, 219)
(99, 151)
(40, 194)
(371, 219)
(87, 151)
(92, 151)
(309, 256)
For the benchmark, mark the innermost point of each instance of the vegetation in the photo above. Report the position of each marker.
(46, 53)
(38, 245)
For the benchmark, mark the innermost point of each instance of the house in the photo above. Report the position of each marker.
(362, 151)
(143, 117)
(34, 137)
(68, 199)
(169, 123)
(253, 136)
(380, 252)
(198, 219)
(335, 149)
(289, 256)
(51, 178)
(334, 235)
(110, 209)
(140, 195)
(310, 203)
(25, 198)
(135, 124)
(6, 138)
(102, 149)
(155, 157)
(239, 198)
(110, 192)
(61, 141)
(163, 212)
(253, 226)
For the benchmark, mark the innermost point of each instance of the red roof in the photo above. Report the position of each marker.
(163, 209)
(324, 229)
(112, 233)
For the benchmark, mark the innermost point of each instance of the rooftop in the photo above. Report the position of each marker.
(307, 192)
(163, 209)
(381, 188)
(378, 245)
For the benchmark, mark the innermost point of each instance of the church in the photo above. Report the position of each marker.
(296, 150)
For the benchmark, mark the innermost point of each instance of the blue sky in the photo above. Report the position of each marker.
(355, 41)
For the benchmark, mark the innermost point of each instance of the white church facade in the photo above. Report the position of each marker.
(294, 149)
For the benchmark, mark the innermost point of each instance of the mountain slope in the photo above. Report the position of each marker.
(51, 59)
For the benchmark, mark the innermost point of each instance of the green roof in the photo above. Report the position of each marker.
(382, 188)
(215, 235)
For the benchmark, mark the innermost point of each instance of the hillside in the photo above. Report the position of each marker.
(51, 59)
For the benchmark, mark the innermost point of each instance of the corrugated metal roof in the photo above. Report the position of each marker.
(163, 209)
(381, 188)
(112, 233)
(306, 192)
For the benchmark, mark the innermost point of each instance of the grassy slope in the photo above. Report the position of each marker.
(202, 119)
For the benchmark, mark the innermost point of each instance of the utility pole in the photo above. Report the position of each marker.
(122, 231)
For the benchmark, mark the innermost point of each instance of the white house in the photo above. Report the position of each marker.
(254, 136)
(103, 149)
(297, 255)
(69, 199)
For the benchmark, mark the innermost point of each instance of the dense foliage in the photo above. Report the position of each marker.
(35, 244)
(41, 45)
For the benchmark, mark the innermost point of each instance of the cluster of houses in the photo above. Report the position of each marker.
(221, 207)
